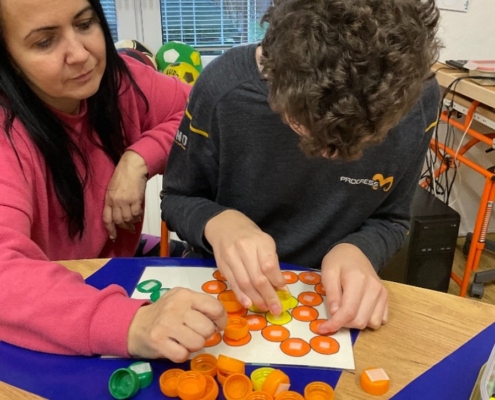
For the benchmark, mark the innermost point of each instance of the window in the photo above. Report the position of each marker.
(111, 15)
(212, 24)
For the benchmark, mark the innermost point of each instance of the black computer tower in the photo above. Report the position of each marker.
(426, 257)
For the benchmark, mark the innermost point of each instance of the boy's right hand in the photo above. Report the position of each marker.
(178, 324)
(247, 257)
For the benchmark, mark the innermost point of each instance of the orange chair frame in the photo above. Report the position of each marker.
(164, 241)
(487, 197)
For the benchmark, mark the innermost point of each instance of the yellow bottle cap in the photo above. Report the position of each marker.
(191, 385)
(168, 381)
(285, 299)
(375, 381)
(284, 318)
(237, 387)
(318, 391)
(259, 375)
(276, 382)
(205, 363)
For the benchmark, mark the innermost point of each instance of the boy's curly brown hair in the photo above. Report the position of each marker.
(347, 71)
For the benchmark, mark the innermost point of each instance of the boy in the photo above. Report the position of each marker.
(346, 82)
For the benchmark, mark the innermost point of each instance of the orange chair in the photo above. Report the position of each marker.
(164, 241)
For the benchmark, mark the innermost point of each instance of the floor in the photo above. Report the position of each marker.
(487, 262)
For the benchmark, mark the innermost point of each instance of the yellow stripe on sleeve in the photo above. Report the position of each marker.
(193, 129)
(432, 125)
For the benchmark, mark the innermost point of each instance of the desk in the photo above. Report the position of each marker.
(424, 327)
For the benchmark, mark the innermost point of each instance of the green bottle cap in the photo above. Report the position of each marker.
(144, 373)
(158, 293)
(149, 286)
(123, 384)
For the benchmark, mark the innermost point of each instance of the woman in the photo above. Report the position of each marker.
(81, 131)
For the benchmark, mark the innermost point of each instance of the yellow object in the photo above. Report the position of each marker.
(185, 72)
(282, 319)
(285, 299)
(375, 381)
(259, 375)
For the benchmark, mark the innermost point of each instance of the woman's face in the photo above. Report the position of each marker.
(58, 48)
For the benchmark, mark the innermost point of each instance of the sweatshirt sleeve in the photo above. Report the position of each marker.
(383, 233)
(166, 99)
(44, 306)
(191, 176)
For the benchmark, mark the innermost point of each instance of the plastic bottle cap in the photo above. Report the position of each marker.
(259, 395)
(191, 385)
(228, 365)
(149, 286)
(144, 373)
(259, 375)
(168, 381)
(285, 299)
(375, 381)
(289, 395)
(276, 382)
(205, 363)
(211, 390)
(123, 383)
(158, 293)
(237, 387)
(230, 302)
(318, 391)
(236, 329)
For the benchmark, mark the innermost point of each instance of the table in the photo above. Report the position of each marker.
(424, 326)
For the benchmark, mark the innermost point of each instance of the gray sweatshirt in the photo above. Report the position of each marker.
(233, 152)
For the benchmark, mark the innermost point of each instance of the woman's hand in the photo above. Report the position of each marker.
(125, 194)
(178, 324)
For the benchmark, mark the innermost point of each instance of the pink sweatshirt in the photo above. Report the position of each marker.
(44, 306)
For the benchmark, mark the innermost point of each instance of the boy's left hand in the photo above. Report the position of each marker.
(356, 297)
(125, 194)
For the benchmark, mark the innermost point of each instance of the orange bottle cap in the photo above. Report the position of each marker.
(259, 375)
(228, 365)
(230, 302)
(259, 395)
(191, 385)
(211, 391)
(276, 382)
(205, 363)
(289, 395)
(237, 387)
(375, 381)
(318, 391)
(236, 329)
(168, 381)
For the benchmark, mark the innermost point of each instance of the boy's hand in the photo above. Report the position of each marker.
(248, 259)
(178, 324)
(355, 295)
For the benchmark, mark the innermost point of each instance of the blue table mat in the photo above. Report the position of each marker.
(78, 378)
(454, 377)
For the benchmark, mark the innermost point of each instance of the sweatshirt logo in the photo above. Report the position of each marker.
(181, 139)
(378, 181)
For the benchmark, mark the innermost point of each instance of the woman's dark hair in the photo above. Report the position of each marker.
(50, 134)
(347, 71)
